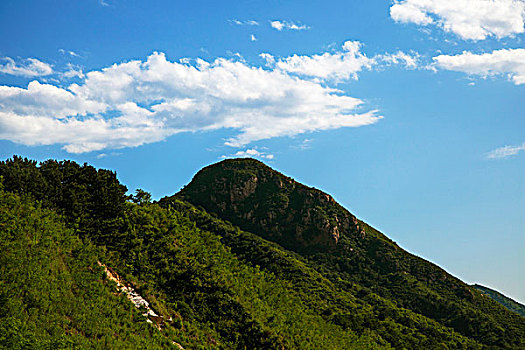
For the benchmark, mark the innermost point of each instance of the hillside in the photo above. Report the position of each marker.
(243, 257)
(54, 294)
(502, 299)
(212, 299)
(263, 201)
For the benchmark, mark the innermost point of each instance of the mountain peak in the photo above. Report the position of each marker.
(260, 199)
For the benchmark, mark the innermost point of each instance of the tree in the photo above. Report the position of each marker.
(141, 197)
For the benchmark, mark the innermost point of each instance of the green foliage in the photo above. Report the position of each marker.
(510, 304)
(368, 314)
(91, 200)
(237, 305)
(53, 294)
(349, 253)
(340, 284)
(214, 299)
(141, 197)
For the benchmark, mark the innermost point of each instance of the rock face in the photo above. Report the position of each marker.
(264, 201)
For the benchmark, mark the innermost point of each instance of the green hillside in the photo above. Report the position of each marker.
(242, 258)
(502, 299)
(53, 294)
(214, 300)
(346, 250)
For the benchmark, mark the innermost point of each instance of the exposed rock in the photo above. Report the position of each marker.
(296, 216)
(134, 297)
(177, 345)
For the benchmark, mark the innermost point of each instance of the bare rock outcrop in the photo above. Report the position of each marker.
(276, 207)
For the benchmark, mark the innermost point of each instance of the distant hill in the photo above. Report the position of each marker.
(502, 299)
(243, 257)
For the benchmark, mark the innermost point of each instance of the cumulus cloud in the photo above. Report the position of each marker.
(30, 67)
(137, 102)
(41, 100)
(508, 62)
(469, 19)
(505, 152)
(408, 11)
(73, 71)
(339, 65)
(409, 61)
(287, 25)
(252, 153)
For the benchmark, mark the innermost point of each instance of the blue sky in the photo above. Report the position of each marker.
(410, 113)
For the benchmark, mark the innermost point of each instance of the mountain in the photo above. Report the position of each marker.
(261, 200)
(242, 258)
(502, 299)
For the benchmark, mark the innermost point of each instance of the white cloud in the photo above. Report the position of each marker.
(505, 152)
(339, 65)
(73, 71)
(132, 103)
(407, 11)
(248, 22)
(30, 67)
(401, 58)
(280, 25)
(252, 153)
(509, 62)
(469, 19)
(277, 25)
(112, 154)
(41, 100)
(269, 59)
(68, 52)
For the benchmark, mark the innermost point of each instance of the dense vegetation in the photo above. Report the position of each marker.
(53, 294)
(339, 284)
(344, 304)
(510, 304)
(347, 251)
(214, 299)
(92, 201)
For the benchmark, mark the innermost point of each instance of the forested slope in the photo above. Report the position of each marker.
(343, 248)
(510, 304)
(53, 294)
(213, 299)
(304, 276)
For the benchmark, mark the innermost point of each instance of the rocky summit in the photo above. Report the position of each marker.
(264, 201)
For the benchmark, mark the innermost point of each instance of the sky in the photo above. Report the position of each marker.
(411, 113)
